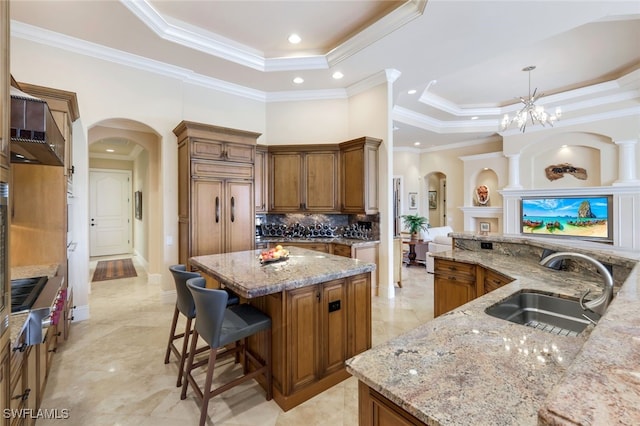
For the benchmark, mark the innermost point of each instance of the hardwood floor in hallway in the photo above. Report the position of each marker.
(111, 371)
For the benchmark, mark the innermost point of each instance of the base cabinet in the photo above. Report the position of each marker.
(315, 329)
(456, 283)
(376, 410)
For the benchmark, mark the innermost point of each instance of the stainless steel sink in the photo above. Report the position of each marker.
(544, 311)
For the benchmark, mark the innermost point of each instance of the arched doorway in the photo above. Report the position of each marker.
(136, 147)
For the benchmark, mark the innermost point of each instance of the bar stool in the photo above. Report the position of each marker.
(220, 326)
(186, 307)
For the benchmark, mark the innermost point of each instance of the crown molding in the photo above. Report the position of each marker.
(85, 48)
(213, 44)
(306, 95)
(401, 16)
(486, 156)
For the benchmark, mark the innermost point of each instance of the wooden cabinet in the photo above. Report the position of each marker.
(24, 383)
(376, 410)
(454, 284)
(5, 84)
(493, 280)
(342, 250)
(315, 329)
(303, 178)
(216, 211)
(359, 176)
(261, 179)
(4, 376)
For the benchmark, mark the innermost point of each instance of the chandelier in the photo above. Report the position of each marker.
(530, 112)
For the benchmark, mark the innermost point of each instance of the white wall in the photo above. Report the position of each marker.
(306, 122)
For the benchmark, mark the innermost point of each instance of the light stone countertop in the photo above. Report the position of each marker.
(468, 368)
(243, 273)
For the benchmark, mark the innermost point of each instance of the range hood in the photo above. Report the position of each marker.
(35, 136)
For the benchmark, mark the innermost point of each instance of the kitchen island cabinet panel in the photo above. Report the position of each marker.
(302, 308)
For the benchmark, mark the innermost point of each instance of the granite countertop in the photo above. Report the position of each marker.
(468, 368)
(243, 273)
(49, 270)
(323, 240)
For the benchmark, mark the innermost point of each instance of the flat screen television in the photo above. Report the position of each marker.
(587, 218)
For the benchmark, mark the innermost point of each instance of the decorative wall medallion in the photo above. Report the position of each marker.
(558, 171)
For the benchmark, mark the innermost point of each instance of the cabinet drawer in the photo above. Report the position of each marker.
(210, 150)
(342, 250)
(459, 270)
(494, 280)
(227, 170)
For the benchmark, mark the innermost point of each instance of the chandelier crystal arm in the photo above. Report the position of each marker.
(530, 111)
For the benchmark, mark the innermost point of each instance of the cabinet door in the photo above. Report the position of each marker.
(359, 325)
(207, 217)
(494, 280)
(449, 292)
(260, 180)
(240, 229)
(285, 184)
(321, 183)
(333, 320)
(302, 324)
(342, 250)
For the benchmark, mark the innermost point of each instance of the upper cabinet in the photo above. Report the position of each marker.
(303, 178)
(359, 175)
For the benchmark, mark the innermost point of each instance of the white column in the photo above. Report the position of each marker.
(514, 171)
(627, 163)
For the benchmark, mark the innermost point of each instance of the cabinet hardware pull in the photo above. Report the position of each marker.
(21, 348)
(24, 396)
(233, 209)
(217, 209)
(53, 350)
(318, 296)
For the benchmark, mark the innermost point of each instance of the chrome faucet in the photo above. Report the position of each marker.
(600, 304)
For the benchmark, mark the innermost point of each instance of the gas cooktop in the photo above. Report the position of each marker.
(25, 292)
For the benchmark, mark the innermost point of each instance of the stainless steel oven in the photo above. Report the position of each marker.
(4, 257)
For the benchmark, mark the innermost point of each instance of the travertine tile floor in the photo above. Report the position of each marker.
(111, 371)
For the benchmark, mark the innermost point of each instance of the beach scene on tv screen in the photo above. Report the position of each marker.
(580, 217)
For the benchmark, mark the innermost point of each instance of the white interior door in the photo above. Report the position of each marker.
(110, 210)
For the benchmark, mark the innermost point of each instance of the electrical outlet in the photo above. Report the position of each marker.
(488, 246)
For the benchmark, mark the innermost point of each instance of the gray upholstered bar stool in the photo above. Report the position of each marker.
(221, 326)
(186, 307)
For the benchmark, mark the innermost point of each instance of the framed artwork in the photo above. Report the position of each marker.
(433, 199)
(485, 226)
(413, 200)
(138, 204)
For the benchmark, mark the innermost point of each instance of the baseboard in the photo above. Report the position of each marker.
(81, 313)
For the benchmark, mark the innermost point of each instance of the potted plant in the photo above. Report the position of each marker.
(414, 224)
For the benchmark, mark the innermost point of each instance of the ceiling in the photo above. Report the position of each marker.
(464, 59)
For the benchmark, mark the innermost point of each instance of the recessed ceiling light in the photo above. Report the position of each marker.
(338, 75)
(110, 150)
(416, 143)
(486, 168)
(294, 39)
(475, 117)
(563, 146)
(412, 91)
(298, 80)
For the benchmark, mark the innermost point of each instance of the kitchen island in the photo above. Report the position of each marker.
(468, 368)
(320, 308)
